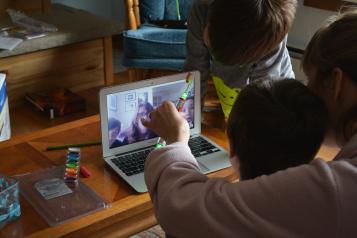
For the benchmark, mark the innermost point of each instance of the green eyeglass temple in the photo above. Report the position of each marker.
(237, 65)
(234, 65)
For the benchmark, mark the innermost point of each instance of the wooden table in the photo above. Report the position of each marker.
(129, 213)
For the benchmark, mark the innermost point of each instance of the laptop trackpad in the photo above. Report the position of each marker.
(210, 163)
(203, 168)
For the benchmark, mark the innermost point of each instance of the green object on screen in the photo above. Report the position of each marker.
(179, 106)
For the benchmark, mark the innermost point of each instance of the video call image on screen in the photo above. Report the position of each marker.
(125, 110)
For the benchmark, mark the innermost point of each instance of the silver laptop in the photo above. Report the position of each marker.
(126, 142)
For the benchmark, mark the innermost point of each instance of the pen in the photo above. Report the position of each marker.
(179, 106)
(61, 147)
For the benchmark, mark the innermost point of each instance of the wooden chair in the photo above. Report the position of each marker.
(134, 22)
(133, 13)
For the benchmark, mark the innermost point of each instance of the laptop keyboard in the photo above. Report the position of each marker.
(133, 163)
(201, 147)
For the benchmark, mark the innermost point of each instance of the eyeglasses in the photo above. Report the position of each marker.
(141, 114)
(232, 65)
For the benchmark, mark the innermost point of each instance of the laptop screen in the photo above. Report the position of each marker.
(125, 109)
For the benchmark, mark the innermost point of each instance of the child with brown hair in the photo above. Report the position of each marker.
(237, 42)
(275, 125)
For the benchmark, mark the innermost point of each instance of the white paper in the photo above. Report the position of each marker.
(52, 188)
(29, 23)
(9, 43)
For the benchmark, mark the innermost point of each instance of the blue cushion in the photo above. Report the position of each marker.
(154, 42)
(172, 64)
(170, 12)
(151, 10)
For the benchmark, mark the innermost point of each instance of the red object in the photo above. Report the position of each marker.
(67, 175)
(61, 101)
(180, 104)
(85, 172)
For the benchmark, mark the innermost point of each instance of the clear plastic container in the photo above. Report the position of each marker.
(56, 201)
(9, 200)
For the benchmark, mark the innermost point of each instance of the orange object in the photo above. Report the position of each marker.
(72, 171)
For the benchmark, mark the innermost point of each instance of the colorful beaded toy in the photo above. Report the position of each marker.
(72, 165)
(179, 105)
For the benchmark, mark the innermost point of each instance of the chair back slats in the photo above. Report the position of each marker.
(152, 10)
(137, 12)
(133, 14)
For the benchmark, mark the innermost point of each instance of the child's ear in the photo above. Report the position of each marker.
(234, 159)
(206, 37)
(232, 152)
(338, 77)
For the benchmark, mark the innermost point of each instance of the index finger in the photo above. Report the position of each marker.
(168, 105)
(149, 121)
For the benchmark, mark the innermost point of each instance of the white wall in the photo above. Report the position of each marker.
(118, 10)
(113, 9)
(307, 21)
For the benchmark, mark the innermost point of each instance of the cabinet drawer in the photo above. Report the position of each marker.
(78, 66)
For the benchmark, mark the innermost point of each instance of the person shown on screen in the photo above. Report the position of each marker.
(138, 131)
(189, 111)
(114, 126)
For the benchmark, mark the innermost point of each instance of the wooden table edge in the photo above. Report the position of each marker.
(49, 131)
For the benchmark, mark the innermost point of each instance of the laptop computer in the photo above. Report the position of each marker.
(126, 142)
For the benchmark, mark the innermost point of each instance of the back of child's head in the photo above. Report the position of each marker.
(275, 125)
(244, 31)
